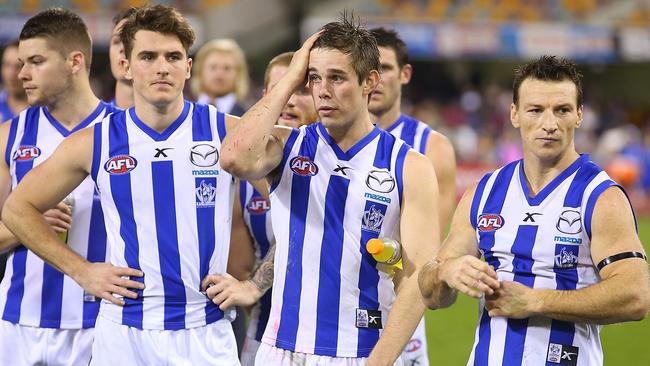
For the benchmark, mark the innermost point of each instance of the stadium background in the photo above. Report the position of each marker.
(463, 53)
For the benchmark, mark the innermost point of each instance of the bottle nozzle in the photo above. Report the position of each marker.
(375, 246)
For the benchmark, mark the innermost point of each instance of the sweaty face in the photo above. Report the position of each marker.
(299, 110)
(219, 74)
(46, 75)
(116, 52)
(158, 67)
(547, 117)
(390, 84)
(335, 88)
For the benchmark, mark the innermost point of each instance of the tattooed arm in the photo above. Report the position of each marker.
(226, 291)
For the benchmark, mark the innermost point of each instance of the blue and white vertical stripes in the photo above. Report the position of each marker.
(541, 241)
(326, 204)
(167, 205)
(32, 292)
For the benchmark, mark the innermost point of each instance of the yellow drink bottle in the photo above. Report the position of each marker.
(69, 200)
(386, 251)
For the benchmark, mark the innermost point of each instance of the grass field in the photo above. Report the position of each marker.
(450, 331)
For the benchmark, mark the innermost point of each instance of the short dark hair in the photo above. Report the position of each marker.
(123, 14)
(353, 40)
(65, 31)
(157, 18)
(548, 68)
(390, 39)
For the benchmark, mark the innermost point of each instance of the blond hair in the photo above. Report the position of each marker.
(224, 45)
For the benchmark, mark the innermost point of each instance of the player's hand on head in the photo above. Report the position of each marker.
(469, 275)
(59, 218)
(511, 300)
(226, 291)
(300, 61)
(106, 280)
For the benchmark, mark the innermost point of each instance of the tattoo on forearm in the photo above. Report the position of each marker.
(263, 276)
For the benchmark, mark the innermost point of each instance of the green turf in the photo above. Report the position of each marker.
(450, 332)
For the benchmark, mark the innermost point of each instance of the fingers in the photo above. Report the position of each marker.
(109, 297)
(58, 220)
(126, 271)
(309, 42)
(62, 207)
(211, 280)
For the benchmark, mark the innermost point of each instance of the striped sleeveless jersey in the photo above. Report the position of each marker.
(32, 292)
(168, 206)
(541, 242)
(328, 297)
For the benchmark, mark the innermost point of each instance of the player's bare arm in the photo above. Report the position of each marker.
(253, 146)
(420, 240)
(457, 266)
(441, 153)
(61, 173)
(241, 258)
(59, 217)
(623, 294)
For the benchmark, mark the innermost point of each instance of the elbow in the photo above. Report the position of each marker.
(228, 160)
(639, 306)
(8, 210)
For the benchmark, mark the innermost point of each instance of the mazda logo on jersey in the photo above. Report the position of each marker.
(204, 155)
(490, 222)
(569, 222)
(258, 206)
(301, 165)
(380, 180)
(120, 164)
(26, 153)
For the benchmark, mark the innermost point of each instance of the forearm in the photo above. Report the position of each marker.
(7, 239)
(436, 293)
(404, 316)
(615, 299)
(263, 276)
(32, 230)
(246, 142)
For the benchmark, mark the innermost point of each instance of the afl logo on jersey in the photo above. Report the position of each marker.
(120, 164)
(380, 180)
(27, 153)
(204, 155)
(258, 206)
(413, 345)
(301, 165)
(490, 222)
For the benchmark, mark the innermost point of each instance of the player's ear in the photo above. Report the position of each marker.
(124, 63)
(406, 73)
(580, 115)
(371, 82)
(514, 115)
(189, 69)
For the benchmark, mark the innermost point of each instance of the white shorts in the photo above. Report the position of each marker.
(268, 355)
(248, 352)
(23, 345)
(416, 353)
(121, 345)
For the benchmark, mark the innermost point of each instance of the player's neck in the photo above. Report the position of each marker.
(159, 116)
(388, 118)
(346, 136)
(124, 94)
(74, 106)
(540, 172)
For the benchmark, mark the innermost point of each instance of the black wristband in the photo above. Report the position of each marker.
(618, 257)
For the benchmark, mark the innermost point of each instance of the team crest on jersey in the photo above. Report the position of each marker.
(301, 165)
(204, 155)
(120, 164)
(380, 180)
(566, 256)
(368, 319)
(569, 222)
(258, 205)
(206, 192)
(373, 217)
(26, 153)
(562, 354)
(490, 222)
